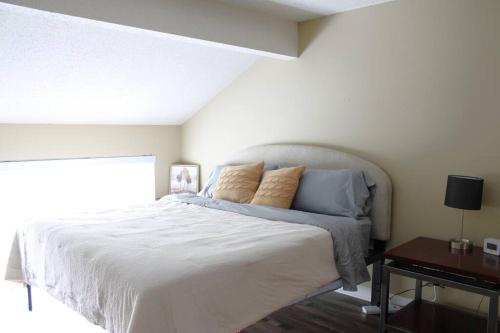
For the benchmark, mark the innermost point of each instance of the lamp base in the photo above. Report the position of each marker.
(463, 245)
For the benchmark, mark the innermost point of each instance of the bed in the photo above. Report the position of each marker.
(192, 264)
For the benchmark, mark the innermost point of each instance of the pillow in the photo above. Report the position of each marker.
(334, 192)
(209, 188)
(238, 183)
(278, 187)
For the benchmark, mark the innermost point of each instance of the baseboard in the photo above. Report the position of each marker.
(364, 293)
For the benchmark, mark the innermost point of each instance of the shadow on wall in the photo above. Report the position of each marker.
(491, 192)
(309, 35)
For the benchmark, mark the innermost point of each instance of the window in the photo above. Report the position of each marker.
(55, 187)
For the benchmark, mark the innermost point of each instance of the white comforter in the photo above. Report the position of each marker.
(173, 267)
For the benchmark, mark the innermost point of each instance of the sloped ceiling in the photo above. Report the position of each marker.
(302, 10)
(70, 68)
(62, 69)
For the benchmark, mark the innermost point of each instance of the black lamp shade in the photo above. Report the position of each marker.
(464, 192)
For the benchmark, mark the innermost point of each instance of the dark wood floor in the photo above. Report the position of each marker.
(332, 312)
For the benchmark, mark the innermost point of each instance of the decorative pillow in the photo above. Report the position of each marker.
(278, 187)
(238, 183)
(344, 192)
(209, 188)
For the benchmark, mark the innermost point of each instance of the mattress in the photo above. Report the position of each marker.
(174, 266)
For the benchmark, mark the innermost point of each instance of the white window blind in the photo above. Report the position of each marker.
(56, 187)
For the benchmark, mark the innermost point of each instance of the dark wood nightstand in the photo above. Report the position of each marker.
(431, 260)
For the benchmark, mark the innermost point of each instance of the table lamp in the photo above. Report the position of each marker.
(465, 193)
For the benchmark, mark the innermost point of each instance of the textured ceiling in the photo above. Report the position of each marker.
(301, 10)
(62, 69)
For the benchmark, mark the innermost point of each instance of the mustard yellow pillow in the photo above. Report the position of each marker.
(278, 187)
(238, 183)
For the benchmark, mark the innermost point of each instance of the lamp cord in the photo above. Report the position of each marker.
(411, 289)
(479, 305)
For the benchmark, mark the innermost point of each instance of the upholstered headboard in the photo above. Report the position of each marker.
(327, 158)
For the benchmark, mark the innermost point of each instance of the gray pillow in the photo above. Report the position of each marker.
(209, 188)
(334, 192)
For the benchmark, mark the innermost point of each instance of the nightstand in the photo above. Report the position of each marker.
(431, 260)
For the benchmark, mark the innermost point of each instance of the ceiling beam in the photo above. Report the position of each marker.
(206, 21)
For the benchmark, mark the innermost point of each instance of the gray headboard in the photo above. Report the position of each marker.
(326, 158)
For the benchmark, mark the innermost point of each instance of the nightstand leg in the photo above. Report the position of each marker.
(418, 289)
(493, 315)
(384, 298)
(376, 281)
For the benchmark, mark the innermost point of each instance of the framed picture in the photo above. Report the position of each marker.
(184, 178)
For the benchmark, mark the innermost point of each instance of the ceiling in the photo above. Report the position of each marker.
(62, 69)
(302, 10)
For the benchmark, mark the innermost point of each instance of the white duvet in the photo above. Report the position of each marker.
(172, 267)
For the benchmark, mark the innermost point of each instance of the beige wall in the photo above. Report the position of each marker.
(413, 86)
(24, 142)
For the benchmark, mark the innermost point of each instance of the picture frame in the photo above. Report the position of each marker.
(184, 178)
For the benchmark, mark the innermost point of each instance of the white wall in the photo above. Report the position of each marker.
(410, 85)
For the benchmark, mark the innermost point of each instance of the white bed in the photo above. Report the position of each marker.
(177, 267)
